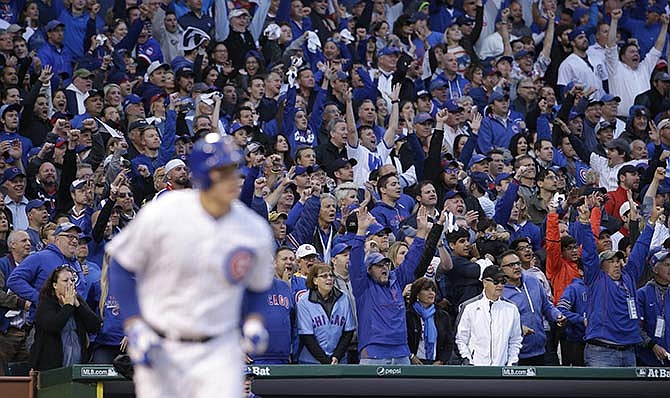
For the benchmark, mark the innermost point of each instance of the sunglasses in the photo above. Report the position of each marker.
(496, 281)
(125, 195)
(451, 170)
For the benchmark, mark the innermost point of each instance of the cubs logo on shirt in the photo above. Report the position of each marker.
(237, 264)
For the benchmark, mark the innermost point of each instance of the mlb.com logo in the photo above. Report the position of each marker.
(519, 372)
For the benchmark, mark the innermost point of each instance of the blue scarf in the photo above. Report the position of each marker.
(429, 328)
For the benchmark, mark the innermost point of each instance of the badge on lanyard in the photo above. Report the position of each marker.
(660, 327)
(632, 308)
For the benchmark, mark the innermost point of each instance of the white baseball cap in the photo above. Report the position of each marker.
(625, 208)
(173, 164)
(305, 250)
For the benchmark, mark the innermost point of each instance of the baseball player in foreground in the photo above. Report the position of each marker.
(179, 270)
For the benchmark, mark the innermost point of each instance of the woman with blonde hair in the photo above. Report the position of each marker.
(397, 253)
(326, 322)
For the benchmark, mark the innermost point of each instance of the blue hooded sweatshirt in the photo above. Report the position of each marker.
(653, 303)
(382, 329)
(533, 303)
(573, 306)
(29, 277)
(608, 307)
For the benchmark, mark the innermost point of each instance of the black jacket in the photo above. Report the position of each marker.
(47, 350)
(445, 334)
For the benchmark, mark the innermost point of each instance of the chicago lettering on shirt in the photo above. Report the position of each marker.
(321, 320)
(278, 300)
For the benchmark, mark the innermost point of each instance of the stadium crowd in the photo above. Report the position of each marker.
(447, 181)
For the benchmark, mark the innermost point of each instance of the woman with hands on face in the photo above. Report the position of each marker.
(62, 323)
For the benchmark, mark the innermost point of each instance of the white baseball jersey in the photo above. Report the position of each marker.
(191, 268)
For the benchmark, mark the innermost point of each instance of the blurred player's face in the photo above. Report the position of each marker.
(225, 185)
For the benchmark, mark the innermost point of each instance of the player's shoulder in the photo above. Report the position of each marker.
(242, 213)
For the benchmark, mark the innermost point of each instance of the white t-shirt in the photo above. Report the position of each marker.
(191, 268)
(368, 161)
(573, 68)
(627, 83)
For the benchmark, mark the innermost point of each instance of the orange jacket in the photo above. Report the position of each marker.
(561, 271)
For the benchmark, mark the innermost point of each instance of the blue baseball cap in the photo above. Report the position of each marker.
(53, 25)
(300, 170)
(453, 107)
(11, 173)
(239, 126)
(376, 228)
(77, 184)
(500, 177)
(657, 8)
(575, 33)
(65, 227)
(610, 98)
(465, 19)
(481, 179)
(388, 51)
(497, 95)
(341, 162)
(34, 204)
(422, 117)
(437, 83)
(504, 58)
(578, 14)
(574, 115)
(451, 194)
(477, 158)
(341, 75)
(131, 99)
(523, 53)
(376, 258)
(338, 249)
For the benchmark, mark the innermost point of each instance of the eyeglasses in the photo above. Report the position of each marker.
(514, 264)
(383, 263)
(70, 236)
(327, 276)
(496, 281)
(125, 195)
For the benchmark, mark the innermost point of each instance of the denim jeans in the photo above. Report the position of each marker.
(385, 361)
(601, 357)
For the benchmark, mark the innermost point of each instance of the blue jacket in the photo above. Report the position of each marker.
(501, 216)
(7, 265)
(75, 32)
(29, 277)
(112, 332)
(276, 306)
(573, 305)
(494, 134)
(650, 307)
(533, 303)
(382, 329)
(312, 319)
(388, 216)
(608, 308)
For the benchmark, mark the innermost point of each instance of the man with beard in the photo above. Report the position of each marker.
(176, 174)
(45, 184)
(629, 182)
(579, 66)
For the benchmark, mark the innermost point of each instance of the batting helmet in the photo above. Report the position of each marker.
(211, 152)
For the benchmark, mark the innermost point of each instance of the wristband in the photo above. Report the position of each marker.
(395, 102)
